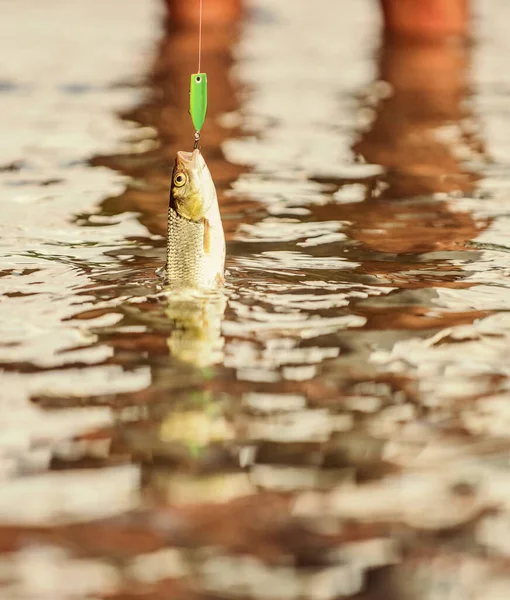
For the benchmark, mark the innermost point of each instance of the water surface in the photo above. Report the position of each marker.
(335, 424)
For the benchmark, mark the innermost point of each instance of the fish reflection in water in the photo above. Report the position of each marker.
(196, 318)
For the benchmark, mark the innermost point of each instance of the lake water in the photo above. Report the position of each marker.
(336, 423)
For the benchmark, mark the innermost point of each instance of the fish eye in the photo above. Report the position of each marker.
(179, 179)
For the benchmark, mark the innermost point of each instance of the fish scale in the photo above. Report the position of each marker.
(186, 256)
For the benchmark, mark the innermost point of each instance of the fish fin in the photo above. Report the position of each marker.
(207, 236)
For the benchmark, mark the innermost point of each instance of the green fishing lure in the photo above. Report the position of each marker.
(198, 99)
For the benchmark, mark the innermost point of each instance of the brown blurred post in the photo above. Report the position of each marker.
(426, 19)
(185, 13)
(412, 18)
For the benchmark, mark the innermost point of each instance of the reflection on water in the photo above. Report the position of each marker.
(335, 423)
(423, 131)
(196, 326)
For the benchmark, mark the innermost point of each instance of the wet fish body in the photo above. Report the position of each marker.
(196, 242)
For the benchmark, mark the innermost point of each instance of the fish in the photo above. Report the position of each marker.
(196, 241)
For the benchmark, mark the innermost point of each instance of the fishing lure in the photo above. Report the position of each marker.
(198, 102)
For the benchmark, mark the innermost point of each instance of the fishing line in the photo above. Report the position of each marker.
(200, 36)
(198, 88)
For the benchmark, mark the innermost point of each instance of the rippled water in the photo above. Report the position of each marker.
(336, 422)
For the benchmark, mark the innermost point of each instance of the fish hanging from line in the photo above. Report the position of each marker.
(196, 242)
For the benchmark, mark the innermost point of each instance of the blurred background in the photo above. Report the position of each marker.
(336, 423)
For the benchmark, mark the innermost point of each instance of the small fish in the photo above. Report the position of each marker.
(196, 242)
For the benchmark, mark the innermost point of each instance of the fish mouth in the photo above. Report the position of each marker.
(188, 160)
